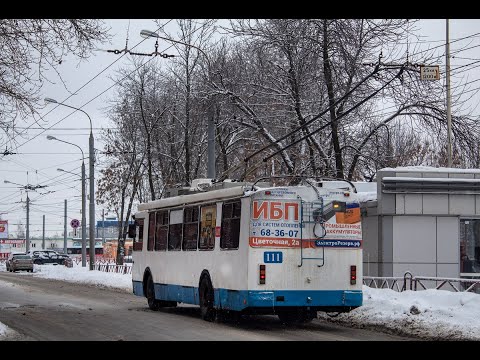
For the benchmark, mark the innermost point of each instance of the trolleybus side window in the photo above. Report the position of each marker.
(230, 233)
(175, 229)
(161, 232)
(208, 218)
(151, 231)
(190, 228)
(138, 241)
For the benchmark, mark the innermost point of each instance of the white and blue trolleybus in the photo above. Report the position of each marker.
(251, 248)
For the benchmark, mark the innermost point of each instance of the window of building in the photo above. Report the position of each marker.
(230, 233)
(208, 215)
(34, 245)
(469, 245)
(161, 232)
(175, 230)
(190, 228)
(138, 241)
(151, 231)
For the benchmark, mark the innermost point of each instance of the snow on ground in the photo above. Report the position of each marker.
(83, 275)
(3, 329)
(429, 169)
(367, 196)
(426, 314)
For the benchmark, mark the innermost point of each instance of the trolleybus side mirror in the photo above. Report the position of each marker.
(132, 230)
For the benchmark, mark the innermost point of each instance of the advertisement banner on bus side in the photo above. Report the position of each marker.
(277, 224)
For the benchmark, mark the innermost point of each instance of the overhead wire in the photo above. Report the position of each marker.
(115, 83)
(337, 118)
(83, 86)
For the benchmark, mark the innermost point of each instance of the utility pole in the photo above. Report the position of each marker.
(91, 215)
(27, 237)
(211, 145)
(91, 147)
(84, 219)
(449, 110)
(65, 229)
(43, 233)
(103, 226)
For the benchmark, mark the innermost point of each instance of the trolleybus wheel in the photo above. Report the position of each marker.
(153, 304)
(207, 310)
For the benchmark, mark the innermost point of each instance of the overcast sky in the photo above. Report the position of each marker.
(41, 157)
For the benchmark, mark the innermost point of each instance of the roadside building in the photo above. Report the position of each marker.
(424, 220)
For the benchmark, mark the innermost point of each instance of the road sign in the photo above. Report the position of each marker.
(74, 223)
(429, 72)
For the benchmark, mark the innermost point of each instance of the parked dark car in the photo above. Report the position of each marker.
(41, 257)
(19, 261)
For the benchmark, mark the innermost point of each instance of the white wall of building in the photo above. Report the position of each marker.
(418, 229)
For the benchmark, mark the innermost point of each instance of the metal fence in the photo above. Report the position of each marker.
(108, 265)
(120, 269)
(415, 283)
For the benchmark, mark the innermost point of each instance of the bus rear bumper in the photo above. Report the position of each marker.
(318, 299)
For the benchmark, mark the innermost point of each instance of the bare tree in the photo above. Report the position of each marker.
(29, 48)
(330, 97)
(119, 181)
(186, 69)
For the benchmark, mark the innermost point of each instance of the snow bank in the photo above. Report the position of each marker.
(84, 275)
(3, 330)
(428, 314)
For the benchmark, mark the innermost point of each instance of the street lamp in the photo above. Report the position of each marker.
(92, 185)
(84, 221)
(211, 128)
